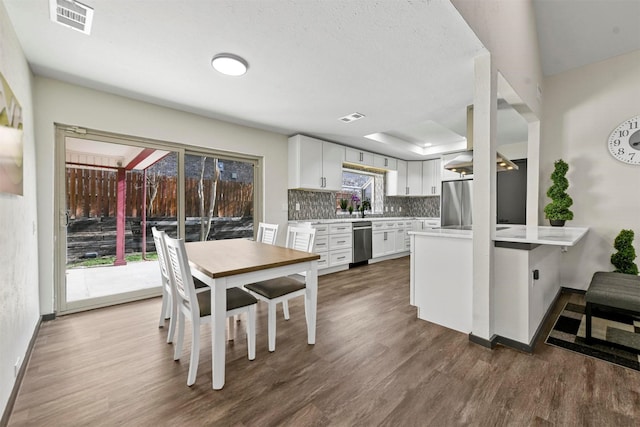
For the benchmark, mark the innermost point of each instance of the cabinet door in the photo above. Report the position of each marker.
(332, 158)
(399, 240)
(414, 178)
(401, 180)
(377, 244)
(384, 162)
(305, 163)
(389, 242)
(359, 157)
(431, 177)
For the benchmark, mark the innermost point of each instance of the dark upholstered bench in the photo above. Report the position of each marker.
(614, 292)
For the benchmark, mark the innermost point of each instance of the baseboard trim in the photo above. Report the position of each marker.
(490, 344)
(4, 421)
(528, 348)
(48, 317)
(566, 290)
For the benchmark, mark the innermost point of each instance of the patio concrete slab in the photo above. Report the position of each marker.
(92, 282)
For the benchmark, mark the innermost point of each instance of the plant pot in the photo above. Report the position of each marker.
(557, 222)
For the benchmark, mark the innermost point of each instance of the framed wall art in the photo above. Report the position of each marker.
(11, 145)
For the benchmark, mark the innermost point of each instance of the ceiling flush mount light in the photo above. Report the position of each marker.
(229, 64)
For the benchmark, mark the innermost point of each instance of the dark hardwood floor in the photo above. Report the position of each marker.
(374, 363)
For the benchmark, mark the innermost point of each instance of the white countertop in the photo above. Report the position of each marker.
(445, 232)
(357, 218)
(542, 235)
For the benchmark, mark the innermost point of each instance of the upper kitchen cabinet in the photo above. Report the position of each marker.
(414, 178)
(396, 180)
(358, 157)
(431, 177)
(384, 162)
(406, 180)
(315, 164)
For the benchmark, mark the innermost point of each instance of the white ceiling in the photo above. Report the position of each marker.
(406, 65)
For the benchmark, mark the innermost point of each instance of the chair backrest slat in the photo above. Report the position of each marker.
(267, 233)
(181, 273)
(301, 238)
(158, 239)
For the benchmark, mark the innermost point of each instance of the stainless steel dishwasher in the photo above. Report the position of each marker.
(361, 241)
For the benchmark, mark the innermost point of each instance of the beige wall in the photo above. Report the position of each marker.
(58, 102)
(19, 311)
(581, 108)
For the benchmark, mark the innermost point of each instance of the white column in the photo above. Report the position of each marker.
(533, 173)
(484, 193)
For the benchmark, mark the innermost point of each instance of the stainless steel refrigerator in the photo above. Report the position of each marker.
(456, 210)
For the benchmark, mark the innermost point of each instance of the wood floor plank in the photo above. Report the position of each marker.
(374, 363)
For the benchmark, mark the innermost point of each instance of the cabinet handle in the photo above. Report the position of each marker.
(386, 161)
(385, 235)
(407, 190)
(342, 241)
(361, 156)
(341, 257)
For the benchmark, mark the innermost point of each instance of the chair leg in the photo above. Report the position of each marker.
(251, 331)
(232, 327)
(177, 351)
(195, 353)
(173, 319)
(285, 308)
(163, 310)
(272, 326)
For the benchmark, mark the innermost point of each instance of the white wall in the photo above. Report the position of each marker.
(19, 311)
(581, 108)
(507, 28)
(58, 102)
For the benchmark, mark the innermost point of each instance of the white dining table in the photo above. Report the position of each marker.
(222, 264)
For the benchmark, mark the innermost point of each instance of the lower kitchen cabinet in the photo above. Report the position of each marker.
(383, 243)
(333, 243)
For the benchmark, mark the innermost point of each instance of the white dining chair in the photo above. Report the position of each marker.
(197, 306)
(267, 233)
(283, 289)
(168, 310)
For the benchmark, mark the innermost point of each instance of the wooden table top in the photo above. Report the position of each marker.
(221, 258)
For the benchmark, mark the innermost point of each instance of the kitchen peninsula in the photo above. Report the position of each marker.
(526, 277)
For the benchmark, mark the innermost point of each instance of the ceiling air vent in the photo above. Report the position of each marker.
(351, 117)
(71, 14)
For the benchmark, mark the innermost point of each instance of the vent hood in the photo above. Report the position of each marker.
(463, 162)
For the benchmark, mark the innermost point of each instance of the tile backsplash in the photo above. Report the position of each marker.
(321, 204)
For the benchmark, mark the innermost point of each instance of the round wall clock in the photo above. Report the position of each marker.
(624, 141)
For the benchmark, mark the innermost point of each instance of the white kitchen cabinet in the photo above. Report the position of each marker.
(431, 177)
(360, 157)
(396, 180)
(333, 243)
(384, 162)
(406, 180)
(426, 224)
(414, 178)
(383, 242)
(399, 240)
(315, 164)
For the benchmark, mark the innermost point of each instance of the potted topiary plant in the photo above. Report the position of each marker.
(558, 210)
(623, 259)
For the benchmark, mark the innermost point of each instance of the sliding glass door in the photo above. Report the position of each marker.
(219, 197)
(111, 190)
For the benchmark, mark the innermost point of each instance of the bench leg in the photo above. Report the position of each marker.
(587, 337)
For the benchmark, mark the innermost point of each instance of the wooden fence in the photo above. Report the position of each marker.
(93, 193)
